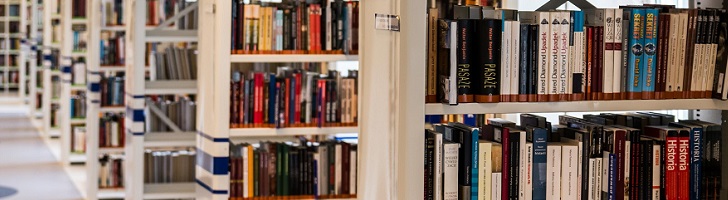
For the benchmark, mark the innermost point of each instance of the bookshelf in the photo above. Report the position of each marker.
(214, 91)
(393, 121)
(14, 80)
(49, 71)
(68, 77)
(34, 41)
(138, 87)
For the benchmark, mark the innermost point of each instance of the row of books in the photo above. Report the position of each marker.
(112, 48)
(78, 73)
(176, 63)
(12, 43)
(13, 77)
(113, 12)
(292, 98)
(78, 104)
(159, 11)
(280, 169)
(181, 111)
(12, 9)
(635, 52)
(78, 139)
(78, 8)
(169, 166)
(80, 36)
(111, 173)
(13, 27)
(111, 130)
(11, 61)
(55, 120)
(603, 156)
(112, 90)
(320, 26)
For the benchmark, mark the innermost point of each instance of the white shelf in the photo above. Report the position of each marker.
(75, 158)
(171, 35)
(111, 193)
(114, 109)
(169, 139)
(56, 100)
(10, 18)
(10, 52)
(78, 20)
(170, 190)
(113, 28)
(12, 68)
(116, 68)
(290, 58)
(12, 35)
(576, 106)
(55, 73)
(111, 150)
(78, 53)
(78, 120)
(78, 87)
(171, 87)
(272, 132)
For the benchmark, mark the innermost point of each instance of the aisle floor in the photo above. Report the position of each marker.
(26, 163)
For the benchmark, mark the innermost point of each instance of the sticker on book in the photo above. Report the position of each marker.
(386, 22)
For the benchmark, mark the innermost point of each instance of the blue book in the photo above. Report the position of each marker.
(469, 119)
(292, 102)
(636, 45)
(649, 55)
(271, 98)
(523, 68)
(474, 174)
(539, 137)
(612, 176)
(577, 25)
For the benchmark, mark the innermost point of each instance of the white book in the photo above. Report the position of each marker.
(553, 172)
(496, 182)
(79, 73)
(569, 171)
(79, 137)
(329, 28)
(617, 75)
(543, 54)
(337, 169)
(592, 179)
(712, 58)
(608, 61)
(564, 85)
(696, 76)
(554, 60)
(529, 171)
(437, 169)
(450, 171)
(656, 173)
(682, 38)
(506, 46)
(627, 164)
(352, 173)
(579, 148)
(522, 166)
(324, 175)
(672, 59)
(598, 183)
(115, 134)
(515, 51)
(453, 90)
(485, 170)
(246, 162)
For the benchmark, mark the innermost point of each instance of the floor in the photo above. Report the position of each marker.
(27, 164)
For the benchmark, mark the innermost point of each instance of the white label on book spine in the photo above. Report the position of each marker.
(656, 173)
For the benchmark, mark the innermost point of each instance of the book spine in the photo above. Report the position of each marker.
(507, 156)
(662, 45)
(671, 162)
(656, 172)
(619, 151)
(533, 83)
(612, 177)
(564, 85)
(465, 85)
(432, 30)
(492, 79)
(553, 172)
(514, 52)
(553, 54)
(569, 172)
(540, 164)
(635, 58)
(523, 64)
(579, 66)
(683, 167)
(696, 163)
(450, 171)
(617, 47)
(429, 167)
(591, 194)
(513, 167)
(649, 54)
(589, 62)
(608, 59)
(475, 134)
(486, 171)
(528, 188)
(672, 66)
(543, 58)
(505, 62)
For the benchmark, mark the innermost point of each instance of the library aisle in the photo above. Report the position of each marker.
(27, 165)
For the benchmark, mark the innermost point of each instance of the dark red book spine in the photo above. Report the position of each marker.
(243, 101)
(505, 162)
(589, 62)
(322, 102)
(258, 118)
(683, 181)
(600, 63)
(620, 139)
(671, 164)
(297, 116)
(287, 103)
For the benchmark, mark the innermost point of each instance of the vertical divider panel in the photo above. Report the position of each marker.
(135, 20)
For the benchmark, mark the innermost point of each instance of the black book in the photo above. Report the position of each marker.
(287, 29)
(523, 64)
(464, 138)
(513, 168)
(443, 59)
(647, 162)
(720, 91)
(429, 164)
(467, 86)
(711, 158)
(533, 58)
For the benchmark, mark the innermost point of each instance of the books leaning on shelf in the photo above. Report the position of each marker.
(270, 169)
(160, 10)
(78, 104)
(112, 48)
(112, 90)
(111, 130)
(641, 155)
(169, 166)
(111, 173)
(292, 98)
(634, 52)
(180, 110)
(298, 27)
(176, 64)
(78, 139)
(114, 12)
(79, 9)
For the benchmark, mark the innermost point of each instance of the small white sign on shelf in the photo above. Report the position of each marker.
(386, 22)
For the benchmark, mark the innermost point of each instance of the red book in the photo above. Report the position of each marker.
(318, 28)
(620, 138)
(258, 97)
(683, 189)
(671, 164)
(600, 63)
(506, 143)
(322, 101)
(243, 101)
(634, 172)
(297, 116)
(589, 62)
(311, 26)
(287, 103)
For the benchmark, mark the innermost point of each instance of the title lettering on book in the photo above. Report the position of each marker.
(696, 146)
(489, 80)
(544, 62)
(490, 43)
(555, 59)
(463, 76)
(671, 148)
(684, 146)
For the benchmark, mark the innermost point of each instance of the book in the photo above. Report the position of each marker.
(450, 170)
